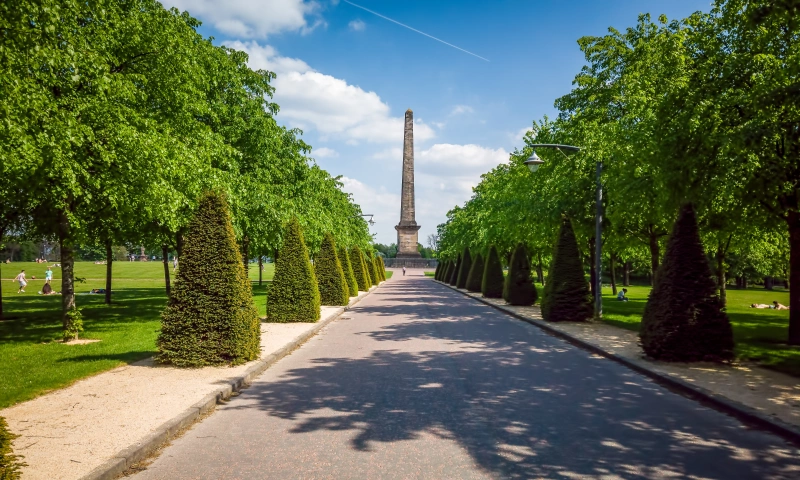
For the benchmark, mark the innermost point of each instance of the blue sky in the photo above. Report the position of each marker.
(346, 77)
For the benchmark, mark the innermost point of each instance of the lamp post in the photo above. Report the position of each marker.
(370, 221)
(534, 162)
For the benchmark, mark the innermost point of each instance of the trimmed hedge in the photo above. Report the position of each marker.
(373, 272)
(436, 272)
(349, 275)
(683, 319)
(463, 269)
(493, 280)
(519, 288)
(378, 261)
(367, 275)
(293, 295)
(475, 274)
(210, 318)
(362, 277)
(333, 289)
(10, 464)
(566, 294)
(454, 273)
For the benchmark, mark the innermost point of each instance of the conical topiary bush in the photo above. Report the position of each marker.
(210, 318)
(492, 281)
(362, 277)
(349, 275)
(519, 288)
(332, 284)
(437, 270)
(454, 274)
(373, 273)
(10, 464)
(293, 295)
(475, 275)
(683, 320)
(378, 260)
(463, 270)
(367, 275)
(566, 294)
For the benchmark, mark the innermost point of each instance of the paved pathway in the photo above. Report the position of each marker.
(419, 381)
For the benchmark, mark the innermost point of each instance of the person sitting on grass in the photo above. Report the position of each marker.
(621, 295)
(48, 290)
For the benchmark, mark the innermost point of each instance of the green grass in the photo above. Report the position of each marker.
(429, 274)
(389, 274)
(760, 334)
(32, 361)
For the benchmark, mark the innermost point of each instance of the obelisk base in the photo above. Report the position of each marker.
(407, 239)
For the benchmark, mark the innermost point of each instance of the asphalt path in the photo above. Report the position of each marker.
(419, 381)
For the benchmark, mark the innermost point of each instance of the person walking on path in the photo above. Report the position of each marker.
(22, 282)
(404, 270)
(48, 275)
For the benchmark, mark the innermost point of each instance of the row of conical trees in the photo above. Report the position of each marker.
(485, 275)
(683, 320)
(210, 318)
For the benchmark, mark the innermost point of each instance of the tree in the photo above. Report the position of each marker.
(10, 464)
(453, 280)
(332, 284)
(373, 272)
(493, 280)
(349, 274)
(362, 276)
(293, 295)
(683, 319)
(566, 294)
(210, 318)
(519, 288)
(379, 268)
(475, 275)
(463, 269)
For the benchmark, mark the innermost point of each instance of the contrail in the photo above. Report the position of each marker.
(415, 30)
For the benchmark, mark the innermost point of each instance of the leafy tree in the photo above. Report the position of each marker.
(519, 288)
(332, 284)
(566, 294)
(475, 275)
(362, 276)
(683, 319)
(10, 464)
(349, 274)
(493, 280)
(210, 318)
(463, 269)
(293, 295)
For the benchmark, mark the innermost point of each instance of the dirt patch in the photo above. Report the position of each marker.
(82, 341)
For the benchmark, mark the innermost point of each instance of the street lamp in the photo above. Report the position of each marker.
(534, 162)
(370, 221)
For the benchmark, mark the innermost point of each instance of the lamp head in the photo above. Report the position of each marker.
(533, 162)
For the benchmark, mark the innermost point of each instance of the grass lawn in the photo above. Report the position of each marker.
(760, 334)
(32, 361)
(389, 274)
(429, 274)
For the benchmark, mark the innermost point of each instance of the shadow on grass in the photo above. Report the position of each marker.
(125, 357)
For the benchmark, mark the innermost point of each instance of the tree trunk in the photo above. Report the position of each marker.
(592, 270)
(165, 261)
(626, 274)
(260, 268)
(67, 270)
(655, 256)
(768, 282)
(744, 282)
(793, 218)
(539, 268)
(721, 280)
(739, 282)
(179, 244)
(613, 274)
(246, 255)
(109, 259)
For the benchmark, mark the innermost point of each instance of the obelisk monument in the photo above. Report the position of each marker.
(407, 228)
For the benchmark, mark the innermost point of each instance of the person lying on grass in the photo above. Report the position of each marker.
(775, 305)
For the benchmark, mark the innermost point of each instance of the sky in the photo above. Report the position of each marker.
(346, 76)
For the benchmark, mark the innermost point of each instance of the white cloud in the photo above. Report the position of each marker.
(461, 109)
(393, 153)
(460, 159)
(334, 108)
(253, 19)
(324, 152)
(518, 136)
(357, 25)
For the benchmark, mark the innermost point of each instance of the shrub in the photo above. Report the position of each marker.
(357, 260)
(373, 272)
(463, 269)
(566, 294)
(519, 288)
(436, 272)
(349, 275)
(293, 295)
(492, 281)
(475, 274)
(367, 275)
(210, 318)
(379, 268)
(683, 319)
(10, 464)
(454, 273)
(333, 289)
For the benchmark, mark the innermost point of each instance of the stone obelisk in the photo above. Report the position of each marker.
(407, 228)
